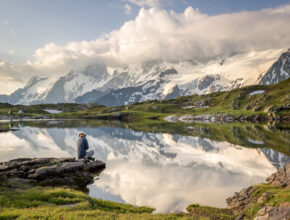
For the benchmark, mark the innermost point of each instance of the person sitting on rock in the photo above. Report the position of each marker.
(83, 146)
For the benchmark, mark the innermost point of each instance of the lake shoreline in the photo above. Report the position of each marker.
(251, 135)
(240, 206)
(133, 117)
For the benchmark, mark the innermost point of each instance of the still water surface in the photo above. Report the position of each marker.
(161, 170)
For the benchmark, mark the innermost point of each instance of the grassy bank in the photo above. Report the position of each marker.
(275, 196)
(59, 203)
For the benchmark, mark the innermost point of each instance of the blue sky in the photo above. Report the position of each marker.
(30, 24)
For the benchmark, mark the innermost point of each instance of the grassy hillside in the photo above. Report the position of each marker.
(275, 101)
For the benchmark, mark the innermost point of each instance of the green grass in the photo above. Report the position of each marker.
(43, 202)
(276, 196)
(59, 203)
(207, 212)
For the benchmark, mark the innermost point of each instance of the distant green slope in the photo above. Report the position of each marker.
(274, 101)
(275, 98)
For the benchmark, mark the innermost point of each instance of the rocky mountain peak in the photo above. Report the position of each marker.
(279, 71)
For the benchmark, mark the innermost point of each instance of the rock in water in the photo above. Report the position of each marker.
(66, 172)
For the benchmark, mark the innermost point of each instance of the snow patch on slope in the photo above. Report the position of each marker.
(257, 92)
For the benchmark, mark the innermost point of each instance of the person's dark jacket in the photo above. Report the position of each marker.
(82, 146)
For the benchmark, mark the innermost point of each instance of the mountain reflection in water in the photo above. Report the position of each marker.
(164, 171)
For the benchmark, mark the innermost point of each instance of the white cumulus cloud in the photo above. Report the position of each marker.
(156, 34)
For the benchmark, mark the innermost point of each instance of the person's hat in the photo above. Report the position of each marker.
(82, 134)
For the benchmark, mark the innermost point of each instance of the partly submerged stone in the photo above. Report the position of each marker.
(67, 172)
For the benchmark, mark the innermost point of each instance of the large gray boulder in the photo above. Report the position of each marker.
(67, 172)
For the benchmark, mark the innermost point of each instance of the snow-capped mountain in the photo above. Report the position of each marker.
(155, 80)
(160, 80)
(279, 71)
(60, 89)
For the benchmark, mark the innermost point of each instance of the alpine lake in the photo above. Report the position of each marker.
(163, 165)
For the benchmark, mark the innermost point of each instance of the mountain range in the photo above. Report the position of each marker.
(155, 80)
